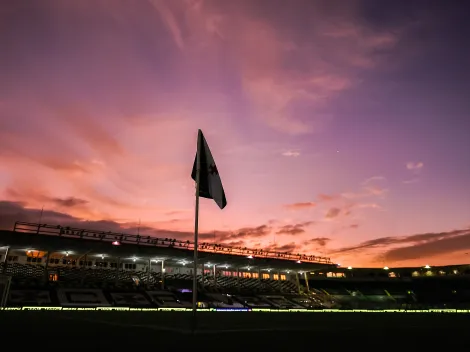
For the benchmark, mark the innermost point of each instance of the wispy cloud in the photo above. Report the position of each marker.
(320, 241)
(332, 213)
(374, 179)
(295, 229)
(415, 166)
(300, 206)
(291, 153)
(417, 246)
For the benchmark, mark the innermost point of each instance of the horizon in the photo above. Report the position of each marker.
(339, 130)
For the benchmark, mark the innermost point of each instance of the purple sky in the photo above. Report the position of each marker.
(339, 128)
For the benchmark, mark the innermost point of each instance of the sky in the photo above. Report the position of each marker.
(339, 128)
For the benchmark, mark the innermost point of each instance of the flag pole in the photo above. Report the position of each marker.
(196, 225)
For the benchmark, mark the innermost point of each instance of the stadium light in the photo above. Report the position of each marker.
(338, 264)
(116, 243)
(386, 268)
(67, 253)
(427, 267)
(298, 262)
(349, 267)
(250, 257)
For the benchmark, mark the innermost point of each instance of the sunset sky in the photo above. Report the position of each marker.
(339, 128)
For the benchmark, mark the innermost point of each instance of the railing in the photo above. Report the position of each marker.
(70, 232)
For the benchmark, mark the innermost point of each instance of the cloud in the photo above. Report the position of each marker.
(374, 179)
(244, 233)
(320, 241)
(415, 166)
(300, 206)
(328, 197)
(291, 153)
(278, 71)
(170, 21)
(414, 246)
(412, 180)
(69, 202)
(10, 212)
(293, 229)
(332, 213)
(439, 244)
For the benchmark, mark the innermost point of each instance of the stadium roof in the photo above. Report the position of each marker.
(56, 238)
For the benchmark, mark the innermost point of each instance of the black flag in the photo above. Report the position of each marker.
(210, 184)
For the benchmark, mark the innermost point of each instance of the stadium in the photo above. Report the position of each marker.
(61, 276)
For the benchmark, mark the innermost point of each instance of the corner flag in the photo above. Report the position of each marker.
(210, 184)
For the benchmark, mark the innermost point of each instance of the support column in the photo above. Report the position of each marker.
(215, 277)
(306, 281)
(279, 279)
(5, 260)
(202, 275)
(149, 274)
(297, 281)
(238, 278)
(46, 267)
(163, 275)
(259, 274)
(118, 264)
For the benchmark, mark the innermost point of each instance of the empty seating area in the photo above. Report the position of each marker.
(417, 293)
(31, 275)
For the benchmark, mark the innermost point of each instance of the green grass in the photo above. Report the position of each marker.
(166, 331)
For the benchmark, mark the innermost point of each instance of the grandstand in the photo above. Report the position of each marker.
(55, 265)
(51, 265)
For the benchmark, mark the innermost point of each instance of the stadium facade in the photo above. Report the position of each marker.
(52, 265)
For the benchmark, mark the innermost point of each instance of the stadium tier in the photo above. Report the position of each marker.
(60, 266)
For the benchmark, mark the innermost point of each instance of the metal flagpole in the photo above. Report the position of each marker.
(196, 224)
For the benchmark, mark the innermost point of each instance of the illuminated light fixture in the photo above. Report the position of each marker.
(301, 272)
(349, 267)
(116, 243)
(250, 257)
(67, 253)
(29, 251)
(288, 271)
(249, 268)
(134, 259)
(226, 266)
(102, 256)
(298, 262)
(386, 268)
(427, 267)
(184, 263)
(338, 264)
(269, 270)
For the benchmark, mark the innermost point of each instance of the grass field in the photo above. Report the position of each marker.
(169, 331)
